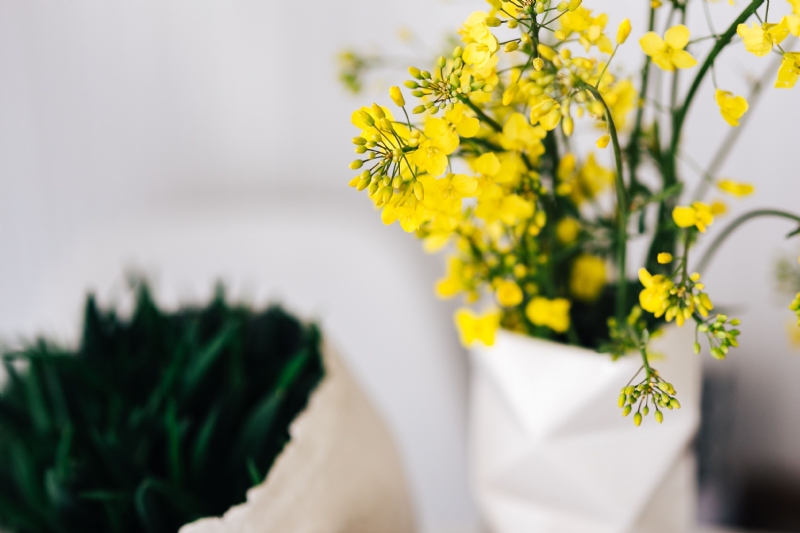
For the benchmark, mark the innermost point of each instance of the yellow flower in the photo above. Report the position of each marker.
(698, 215)
(453, 283)
(519, 135)
(567, 230)
(760, 38)
(718, 208)
(472, 327)
(457, 186)
(440, 141)
(789, 71)
(669, 53)
(584, 183)
(591, 29)
(621, 98)
(508, 293)
(487, 164)
(654, 298)
(793, 23)
(795, 6)
(481, 44)
(463, 124)
(739, 190)
(731, 107)
(553, 314)
(547, 112)
(588, 277)
(664, 258)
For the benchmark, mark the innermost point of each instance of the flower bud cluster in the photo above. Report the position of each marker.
(445, 86)
(651, 391)
(722, 335)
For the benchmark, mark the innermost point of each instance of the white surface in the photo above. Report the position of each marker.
(340, 472)
(549, 452)
(155, 132)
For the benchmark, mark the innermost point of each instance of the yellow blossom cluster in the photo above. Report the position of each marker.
(488, 159)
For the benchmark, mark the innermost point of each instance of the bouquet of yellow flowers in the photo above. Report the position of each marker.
(540, 226)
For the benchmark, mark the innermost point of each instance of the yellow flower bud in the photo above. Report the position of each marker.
(419, 191)
(574, 4)
(664, 258)
(562, 6)
(567, 125)
(659, 416)
(397, 96)
(546, 52)
(512, 24)
(510, 47)
(538, 64)
(603, 141)
(492, 22)
(623, 31)
(355, 165)
(560, 35)
(626, 411)
(637, 419)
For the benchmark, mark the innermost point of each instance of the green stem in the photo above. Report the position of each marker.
(634, 155)
(720, 239)
(492, 123)
(733, 134)
(623, 211)
(724, 40)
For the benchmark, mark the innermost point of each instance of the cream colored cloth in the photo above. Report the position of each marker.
(339, 473)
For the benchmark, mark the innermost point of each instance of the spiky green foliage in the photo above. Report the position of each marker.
(153, 421)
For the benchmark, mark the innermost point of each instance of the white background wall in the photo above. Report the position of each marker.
(199, 140)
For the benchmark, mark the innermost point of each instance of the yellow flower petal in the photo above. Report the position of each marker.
(731, 107)
(677, 37)
(682, 59)
(683, 216)
(652, 44)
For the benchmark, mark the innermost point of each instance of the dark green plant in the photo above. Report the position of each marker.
(153, 421)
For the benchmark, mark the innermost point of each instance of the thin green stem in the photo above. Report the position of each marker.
(634, 155)
(733, 134)
(733, 226)
(492, 123)
(724, 40)
(623, 211)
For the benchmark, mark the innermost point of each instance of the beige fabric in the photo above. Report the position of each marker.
(340, 473)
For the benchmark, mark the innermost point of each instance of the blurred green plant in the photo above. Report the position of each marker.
(154, 421)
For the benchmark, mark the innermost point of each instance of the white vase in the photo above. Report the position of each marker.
(552, 453)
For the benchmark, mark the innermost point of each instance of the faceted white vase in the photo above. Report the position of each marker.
(552, 453)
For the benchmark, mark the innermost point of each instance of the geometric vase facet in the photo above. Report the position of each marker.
(552, 453)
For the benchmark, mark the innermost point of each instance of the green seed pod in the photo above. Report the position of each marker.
(659, 416)
(637, 419)
(626, 411)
